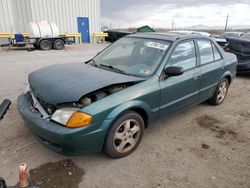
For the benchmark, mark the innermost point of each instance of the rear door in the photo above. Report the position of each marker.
(211, 67)
(179, 92)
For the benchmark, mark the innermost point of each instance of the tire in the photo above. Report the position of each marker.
(125, 135)
(220, 92)
(58, 44)
(45, 45)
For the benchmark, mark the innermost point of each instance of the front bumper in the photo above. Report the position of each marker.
(61, 139)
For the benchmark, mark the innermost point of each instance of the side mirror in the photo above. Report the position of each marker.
(174, 71)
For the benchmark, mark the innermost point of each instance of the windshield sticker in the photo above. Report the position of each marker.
(142, 71)
(156, 45)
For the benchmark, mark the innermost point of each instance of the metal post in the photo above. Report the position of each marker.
(23, 175)
(226, 23)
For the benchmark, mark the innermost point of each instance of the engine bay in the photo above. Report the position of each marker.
(96, 95)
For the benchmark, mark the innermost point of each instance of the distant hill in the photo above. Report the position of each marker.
(205, 27)
(199, 27)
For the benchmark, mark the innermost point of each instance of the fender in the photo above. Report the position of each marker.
(130, 105)
(227, 74)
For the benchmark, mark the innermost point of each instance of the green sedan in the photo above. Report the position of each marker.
(106, 103)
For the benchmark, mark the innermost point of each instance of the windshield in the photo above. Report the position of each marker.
(134, 56)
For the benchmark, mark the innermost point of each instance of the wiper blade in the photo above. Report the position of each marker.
(94, 63)
(113, 68)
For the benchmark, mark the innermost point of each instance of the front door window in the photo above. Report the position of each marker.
(184, 56)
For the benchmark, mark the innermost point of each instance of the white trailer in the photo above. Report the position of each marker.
(45, 35)
(42, 34)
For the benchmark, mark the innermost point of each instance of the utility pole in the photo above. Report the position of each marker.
(173, 25)
(226, 23)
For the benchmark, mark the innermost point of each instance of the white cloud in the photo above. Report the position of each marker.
(162, 15)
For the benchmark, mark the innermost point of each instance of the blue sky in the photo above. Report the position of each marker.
(185, 13)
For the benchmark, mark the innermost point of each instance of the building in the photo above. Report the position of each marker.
(71, 16)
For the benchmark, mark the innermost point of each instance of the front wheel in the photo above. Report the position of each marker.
(125, 135)
(220, 92)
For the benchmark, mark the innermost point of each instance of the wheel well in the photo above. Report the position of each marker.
(40, 40)
(140, 111)
(143, 114)
(60, 39)
(229, 79)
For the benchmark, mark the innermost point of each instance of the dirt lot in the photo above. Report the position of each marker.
(204, 146)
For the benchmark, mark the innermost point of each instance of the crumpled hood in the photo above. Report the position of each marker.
(69, 82)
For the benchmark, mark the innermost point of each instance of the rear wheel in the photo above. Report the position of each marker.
(45, 45)
(220, 92)
(58, 44)
(125, 135)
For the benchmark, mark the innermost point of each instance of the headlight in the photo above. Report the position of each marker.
(71, 118)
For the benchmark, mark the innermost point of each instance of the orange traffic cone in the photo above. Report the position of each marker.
(23, 175)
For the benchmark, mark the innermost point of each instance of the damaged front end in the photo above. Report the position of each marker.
(96, 95)
(67, 113)
(60, 95)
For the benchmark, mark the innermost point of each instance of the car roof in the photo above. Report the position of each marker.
(191, 32)
(170, 36)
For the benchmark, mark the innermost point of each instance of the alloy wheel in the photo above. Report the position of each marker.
(222, 92)
(126, 136)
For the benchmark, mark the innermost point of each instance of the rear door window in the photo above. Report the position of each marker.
(206, 51)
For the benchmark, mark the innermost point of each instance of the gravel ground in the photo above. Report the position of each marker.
(204, 146)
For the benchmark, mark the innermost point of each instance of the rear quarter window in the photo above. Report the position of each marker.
(217, 55)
